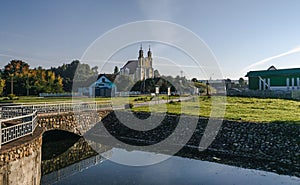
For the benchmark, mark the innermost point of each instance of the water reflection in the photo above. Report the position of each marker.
(176, 170)
(94, 168)
(65, 154)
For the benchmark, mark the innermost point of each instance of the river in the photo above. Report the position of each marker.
(100, 169)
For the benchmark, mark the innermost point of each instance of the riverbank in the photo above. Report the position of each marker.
(266, 146)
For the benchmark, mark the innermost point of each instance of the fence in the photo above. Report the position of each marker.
(266, 94)
(43, 108)
(18, 126)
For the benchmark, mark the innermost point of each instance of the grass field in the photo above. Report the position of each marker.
(237, 108)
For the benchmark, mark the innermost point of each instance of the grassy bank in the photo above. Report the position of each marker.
(237, 108)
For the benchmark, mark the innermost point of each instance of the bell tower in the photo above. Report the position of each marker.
(149, 53)
(141, 53)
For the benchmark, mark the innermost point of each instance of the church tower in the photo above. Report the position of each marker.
(144, 68)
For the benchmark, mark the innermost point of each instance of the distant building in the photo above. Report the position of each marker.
(139, 69)
(102, 87)
(274, 79)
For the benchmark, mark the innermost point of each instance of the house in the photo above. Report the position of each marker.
(274, 79)
(103, 86)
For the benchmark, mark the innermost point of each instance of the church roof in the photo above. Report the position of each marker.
(131, 65)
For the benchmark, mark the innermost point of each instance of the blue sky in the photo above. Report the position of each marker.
(243, 35)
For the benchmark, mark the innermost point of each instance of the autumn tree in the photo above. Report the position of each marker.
(25, 81)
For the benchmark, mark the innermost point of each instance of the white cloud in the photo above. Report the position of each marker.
(266, 60)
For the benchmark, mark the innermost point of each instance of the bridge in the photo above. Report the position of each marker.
(17, 121)
(22, 127)
(22, 120)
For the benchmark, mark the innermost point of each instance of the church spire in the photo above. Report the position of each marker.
(149, 52)
(141, 53)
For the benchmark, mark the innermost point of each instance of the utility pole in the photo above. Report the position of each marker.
(207, 89)
(144, 82)
(27, 85)
(11, 84)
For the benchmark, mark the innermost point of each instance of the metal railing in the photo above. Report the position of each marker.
(18, 126)
(47, 108)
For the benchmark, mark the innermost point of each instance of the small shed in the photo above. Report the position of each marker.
(274, 79)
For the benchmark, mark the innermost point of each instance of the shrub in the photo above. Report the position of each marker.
(12, 96)
(129, 106)
(171, 102)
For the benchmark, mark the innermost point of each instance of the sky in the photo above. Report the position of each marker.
(242, 35)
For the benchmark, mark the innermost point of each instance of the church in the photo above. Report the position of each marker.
(139, 69)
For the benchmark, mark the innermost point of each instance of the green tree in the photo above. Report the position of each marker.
(156, 74)
(123, 83)
(74, 72)
(241, 82)
(116, 70)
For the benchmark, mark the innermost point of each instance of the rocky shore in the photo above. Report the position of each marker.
(271, 147)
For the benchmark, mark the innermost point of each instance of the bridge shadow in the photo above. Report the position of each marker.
(56, 142)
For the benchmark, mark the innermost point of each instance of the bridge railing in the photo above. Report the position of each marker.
(44, 108)
(13, 128)
(19, 121)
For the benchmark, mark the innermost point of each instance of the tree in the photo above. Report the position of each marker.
(74, 72)
(156, 74)
(201, 87)
(2, 85)
(241, 81)
(15, 74)
(194, 80)
(123, 83)
(116, 70)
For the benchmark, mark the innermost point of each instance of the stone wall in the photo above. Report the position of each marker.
(20, 160)
(77, 123)
(268, 146)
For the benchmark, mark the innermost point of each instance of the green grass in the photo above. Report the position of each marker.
(237, 108)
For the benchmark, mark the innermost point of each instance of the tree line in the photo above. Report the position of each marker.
(18, 78)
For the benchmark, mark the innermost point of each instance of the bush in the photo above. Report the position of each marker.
(12, 97)
(171, 102)
(6, 98)
(129, 106)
